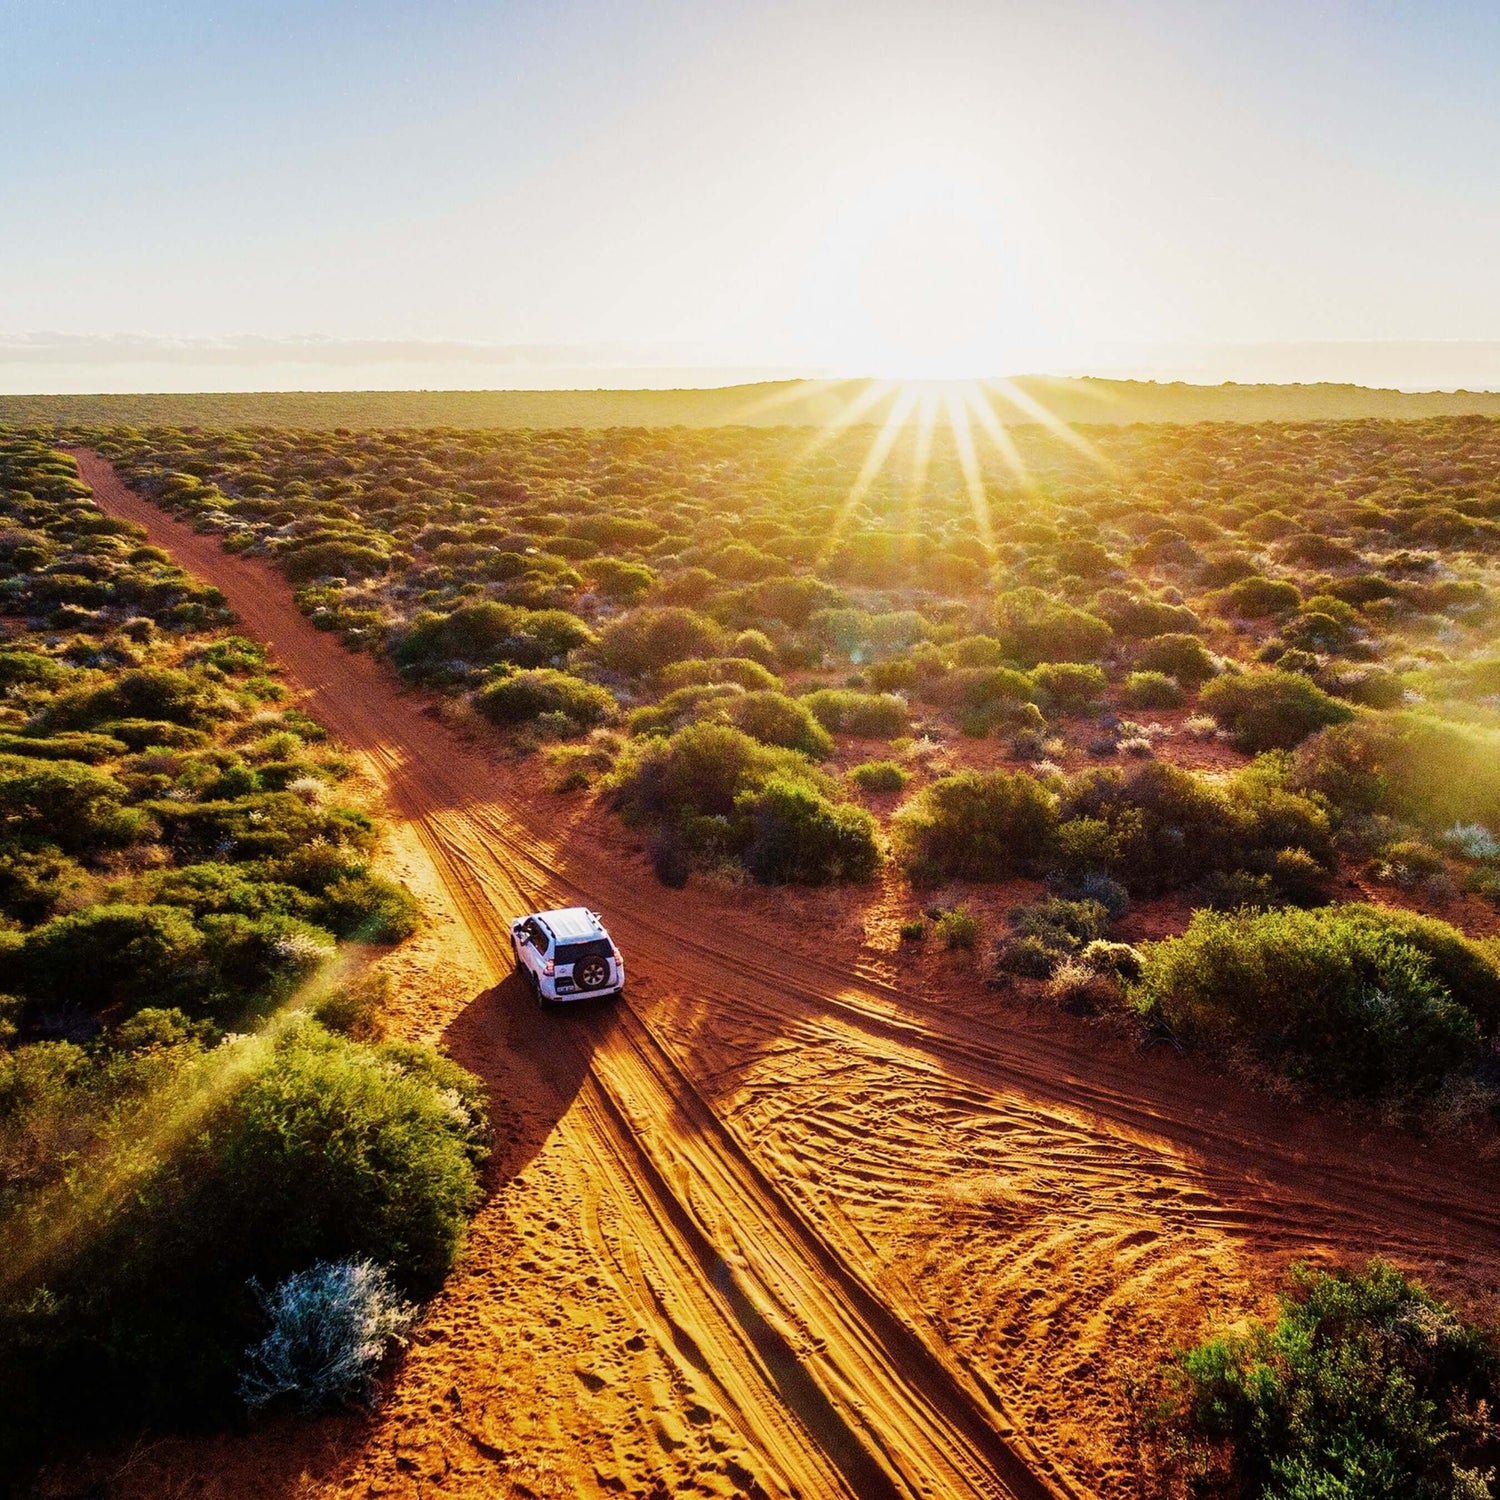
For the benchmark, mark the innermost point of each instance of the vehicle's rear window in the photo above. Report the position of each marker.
(575, 953)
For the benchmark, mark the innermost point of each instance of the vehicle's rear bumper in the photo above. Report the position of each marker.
(567, 997)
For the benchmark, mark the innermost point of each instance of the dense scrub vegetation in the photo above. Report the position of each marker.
(1251, 668)
(189, 1108)
(1235, 663)
(1278, 584)
(1364, 1387)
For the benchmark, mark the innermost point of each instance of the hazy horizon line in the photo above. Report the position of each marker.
(53, 363)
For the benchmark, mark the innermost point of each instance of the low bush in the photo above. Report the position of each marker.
(740, 670)
(526, 696)
(1414, 767)
(977, 825)
(1271, 710)
(206, 1169)
(646, 640)
(1034, 627)
(958, 928)
(712, 790)
(796, 835)
(1134, 617)
(488, 632)
(880, 776)
(76, 808)
(1353, 1000)
(774, 719)
(875, 716)
(1072, 687)
(1157, 826)
(1255, 598)
(1152, 690)
(330, 1327)
(1182, 656)
(1364, 1387)
(162, 694)
(985, 699)
(368, 909)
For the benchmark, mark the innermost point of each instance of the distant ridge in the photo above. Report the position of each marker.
(774, 403)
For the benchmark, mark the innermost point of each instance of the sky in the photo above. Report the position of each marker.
(242, 195)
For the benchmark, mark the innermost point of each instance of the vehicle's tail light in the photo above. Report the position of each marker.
(616, 953)
(549, 968)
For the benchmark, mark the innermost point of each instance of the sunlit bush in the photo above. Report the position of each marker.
(979, 825)
(1350, 999)
(528, 695)
(1270, 710)
(1364, 1385)
(877, 716)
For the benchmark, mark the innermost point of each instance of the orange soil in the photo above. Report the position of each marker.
(805, 1216)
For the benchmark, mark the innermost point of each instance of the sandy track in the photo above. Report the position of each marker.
(887, 1243)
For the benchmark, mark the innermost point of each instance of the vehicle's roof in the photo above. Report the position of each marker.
(571, 922)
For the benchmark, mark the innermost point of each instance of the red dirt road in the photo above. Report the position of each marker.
(789, 1222)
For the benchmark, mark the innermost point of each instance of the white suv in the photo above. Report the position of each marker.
(567, 955)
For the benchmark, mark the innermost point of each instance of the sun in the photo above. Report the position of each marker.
(921, 274)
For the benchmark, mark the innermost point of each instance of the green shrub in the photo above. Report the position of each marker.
(73, 806)
(67, 744)
(334, 559)
(157, 693)
(35, 881)
(739, 670)
(978, 825)
(488, 632)
(797, 835)
(1351, 999)
(985, 697)
(369, 909)
(701, 771)
(252, 1160)
(1034, 627)
(1364, 1387)
(756, 646)
(107, 955)
(875, 716)
(625, 582)
(958, 928)
(878, 776)
(913, 931)
(1255, 598)
(30, 668)
(774, 719)
(1152, 690)
(1157, 825)
(1068, 685)
(1062, 924)
(1135, 617)
(1411, 766)
(526, 696)
(1270, 710)
(1184, 657)
(646, 640)
(682, 706)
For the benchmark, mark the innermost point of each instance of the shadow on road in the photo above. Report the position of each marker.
(532, 1061)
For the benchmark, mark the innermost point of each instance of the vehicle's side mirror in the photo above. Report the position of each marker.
(523, 936)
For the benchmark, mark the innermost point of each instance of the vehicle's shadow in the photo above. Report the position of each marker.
(533, 1062)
